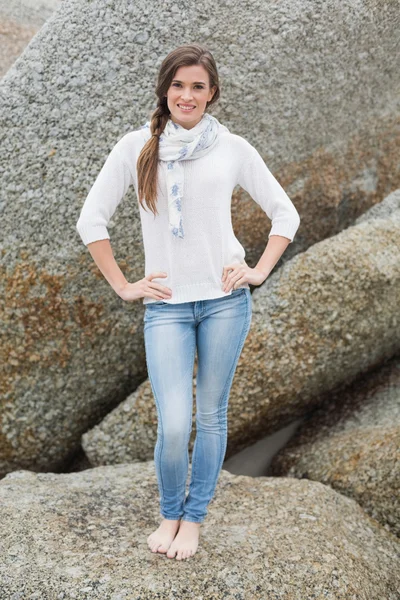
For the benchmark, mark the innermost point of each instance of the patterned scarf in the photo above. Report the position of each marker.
(176, 144)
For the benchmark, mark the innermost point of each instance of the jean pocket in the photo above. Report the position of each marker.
(157, 303)
(238, 291)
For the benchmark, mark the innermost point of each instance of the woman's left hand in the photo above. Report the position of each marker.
(241, 273)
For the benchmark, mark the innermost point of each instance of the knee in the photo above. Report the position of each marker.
(177, 432)
(211, 421)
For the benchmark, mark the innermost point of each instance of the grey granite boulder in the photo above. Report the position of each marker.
(129, 432)
(73, 349)
(352, 443)
(29, 12)
(19, 21)
(83, 536)
(387, 209)
(327, 315)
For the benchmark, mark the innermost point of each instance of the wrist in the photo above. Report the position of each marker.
(120, 288)
(263, 272)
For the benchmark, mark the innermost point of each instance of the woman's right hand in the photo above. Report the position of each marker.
(145, 288)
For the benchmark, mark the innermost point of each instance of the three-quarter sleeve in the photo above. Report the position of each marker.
(106, 193)
(258, 181)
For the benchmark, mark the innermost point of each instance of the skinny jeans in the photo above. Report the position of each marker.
(217, 328)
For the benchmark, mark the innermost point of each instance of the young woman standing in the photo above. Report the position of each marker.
(185, 164)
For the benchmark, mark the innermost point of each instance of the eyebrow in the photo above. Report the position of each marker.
(177, 80)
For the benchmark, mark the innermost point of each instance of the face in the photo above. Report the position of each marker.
(189, 86)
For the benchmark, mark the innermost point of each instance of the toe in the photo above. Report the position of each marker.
(171, 552)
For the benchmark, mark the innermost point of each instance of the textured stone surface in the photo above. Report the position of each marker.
(20, 20)
(352, 443)
(328, 315)
(83, 535)
(324, 317)
(329, 133)
(33, 12)
(14, 37)
(386, 209)
(129, 432)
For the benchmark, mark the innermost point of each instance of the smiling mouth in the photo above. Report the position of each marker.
(187, 109)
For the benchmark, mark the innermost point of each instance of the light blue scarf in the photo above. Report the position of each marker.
(176, 144)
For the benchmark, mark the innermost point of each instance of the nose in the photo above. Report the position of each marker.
(186, 97)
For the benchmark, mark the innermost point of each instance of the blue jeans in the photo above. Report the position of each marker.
(217, 328)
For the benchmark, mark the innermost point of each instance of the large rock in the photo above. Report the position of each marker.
(20, 20)
(75, 349)
(352, 443)
(324, 317)
(129, 432)
(327, 316)
(29, 12)
(83, 535)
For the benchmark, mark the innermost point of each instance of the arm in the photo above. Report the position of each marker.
(240, 273)
(103, 256)
(276, 246)
(258, 181)
(110, 187)
(106, 193)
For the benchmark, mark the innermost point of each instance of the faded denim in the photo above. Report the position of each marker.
(217, 328)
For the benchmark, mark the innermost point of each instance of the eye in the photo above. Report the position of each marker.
(198, 86)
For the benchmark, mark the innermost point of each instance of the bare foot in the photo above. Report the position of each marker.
(186, 541)
(160, 540)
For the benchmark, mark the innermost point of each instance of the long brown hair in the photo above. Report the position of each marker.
(147, 162)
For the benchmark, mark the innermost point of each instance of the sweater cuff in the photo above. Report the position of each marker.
(285, 228)
(92, 233)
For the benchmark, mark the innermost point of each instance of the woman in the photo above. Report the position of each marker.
(185, 164)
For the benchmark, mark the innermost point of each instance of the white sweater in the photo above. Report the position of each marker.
(193, 264)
